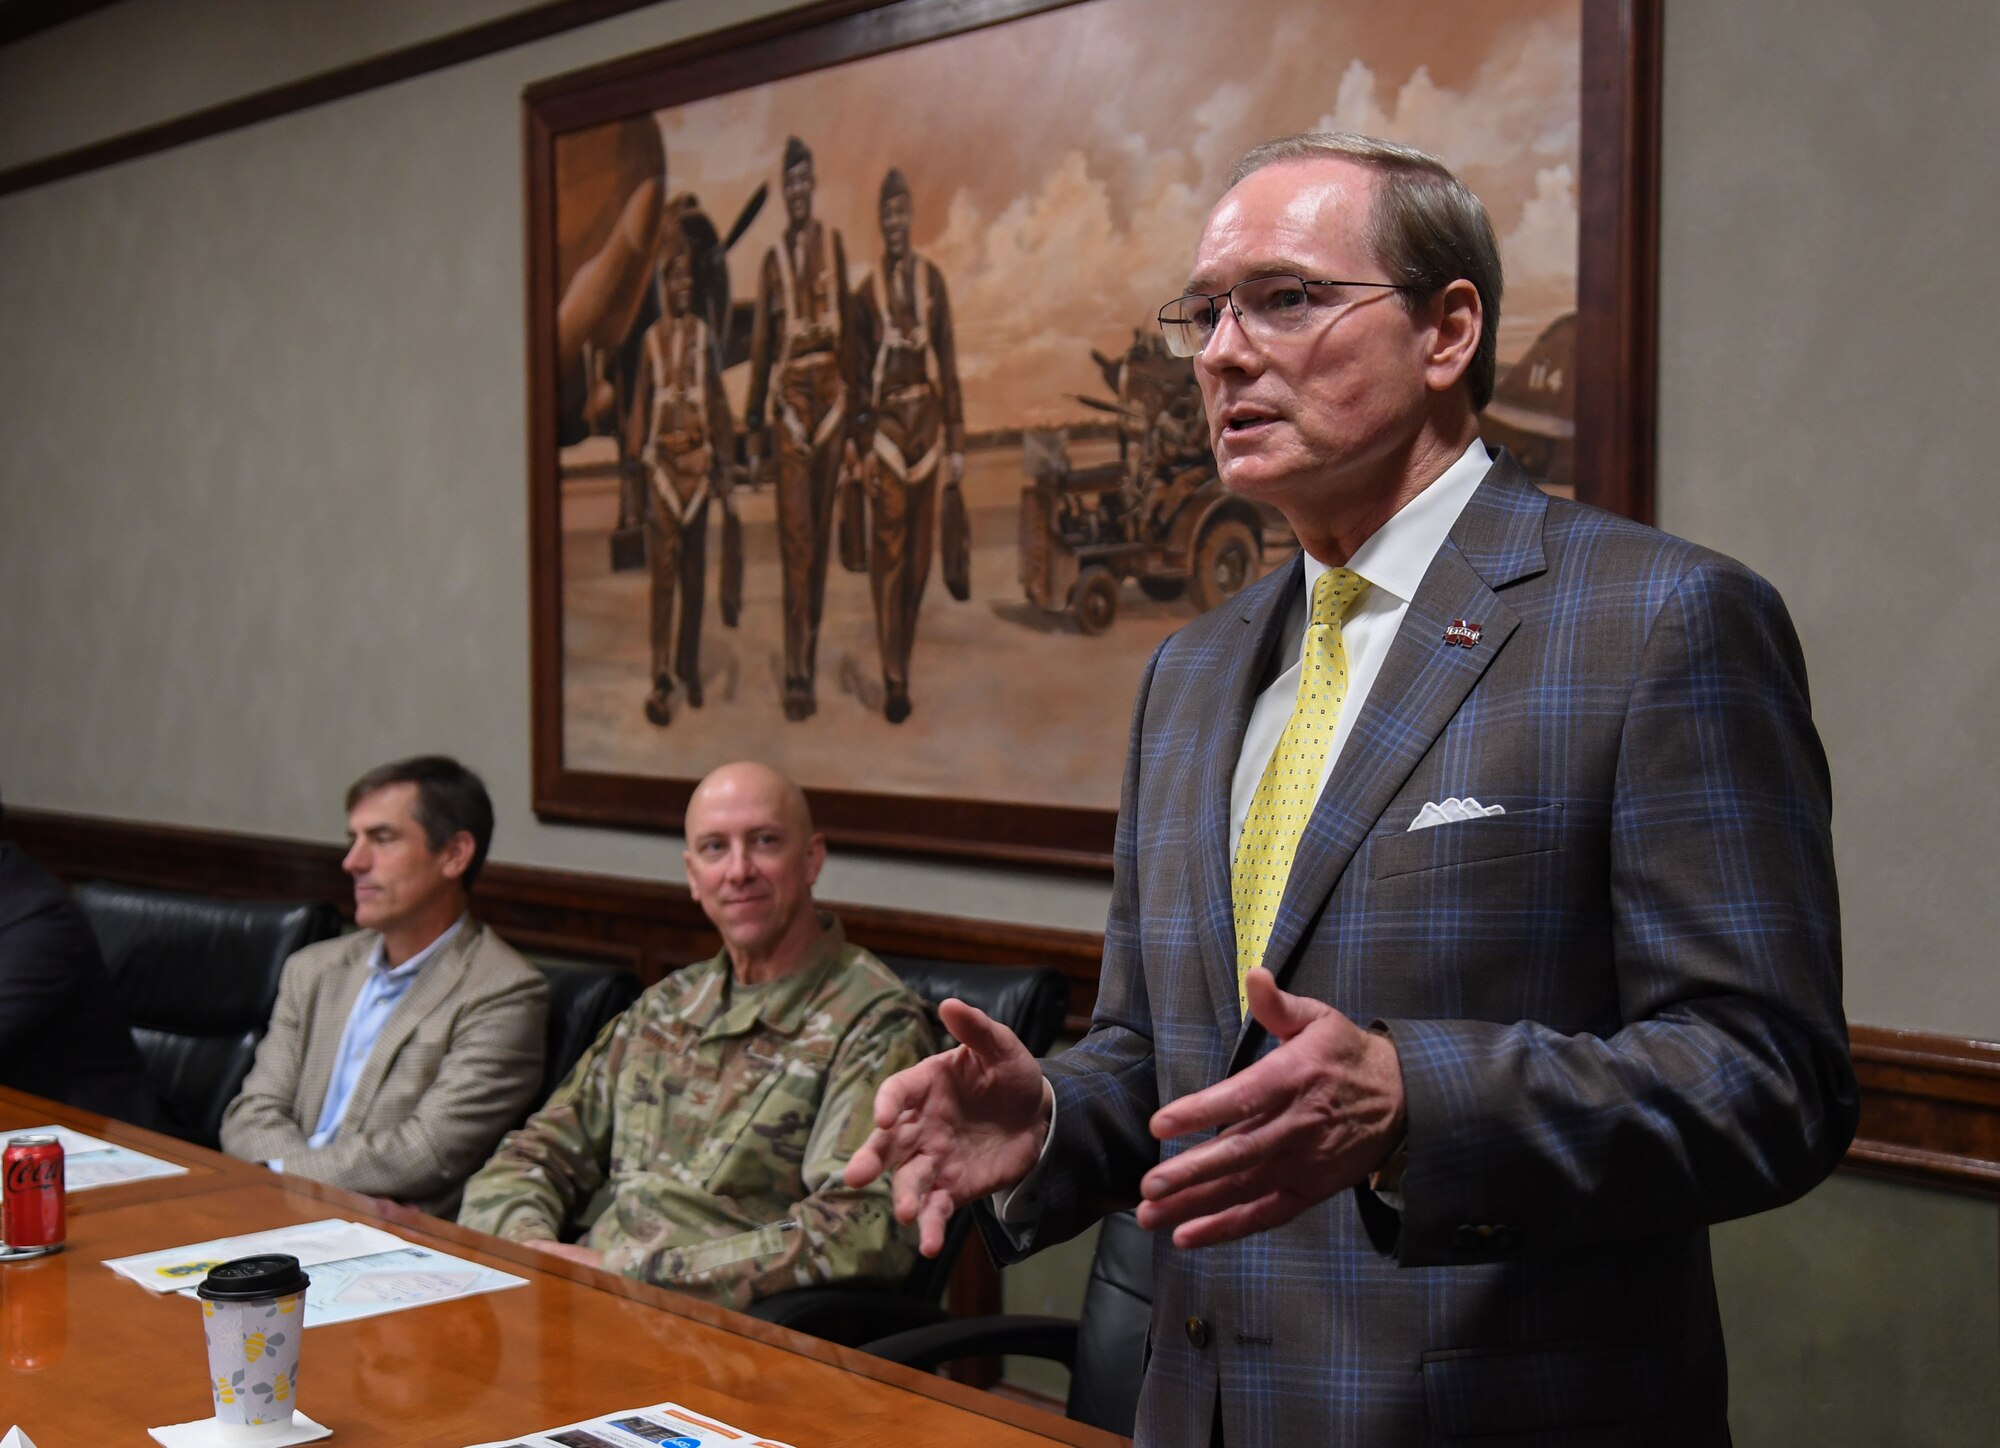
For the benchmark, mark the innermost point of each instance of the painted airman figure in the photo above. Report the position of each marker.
(802, 370)
(913, 425)
(679, 429)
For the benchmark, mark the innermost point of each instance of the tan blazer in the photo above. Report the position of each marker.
(459, 1061)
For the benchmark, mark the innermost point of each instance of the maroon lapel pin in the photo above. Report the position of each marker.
(1464, 634)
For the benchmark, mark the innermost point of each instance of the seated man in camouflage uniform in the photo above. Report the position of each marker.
(699, 1142)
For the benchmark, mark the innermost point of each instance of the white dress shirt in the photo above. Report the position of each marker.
(1394, 560)
(380, 993)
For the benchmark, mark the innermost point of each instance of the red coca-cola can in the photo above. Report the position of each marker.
(32, 1169)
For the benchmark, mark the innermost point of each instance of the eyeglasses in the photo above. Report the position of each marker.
(1265, 307)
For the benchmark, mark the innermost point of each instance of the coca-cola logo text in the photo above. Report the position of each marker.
(28, 1174)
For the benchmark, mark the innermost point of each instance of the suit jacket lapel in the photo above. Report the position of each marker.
(334, 1005)
(1496, 541)
(432, 987)
(1259, 622)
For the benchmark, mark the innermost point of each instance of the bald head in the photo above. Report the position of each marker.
(748, 781)
(752, 857)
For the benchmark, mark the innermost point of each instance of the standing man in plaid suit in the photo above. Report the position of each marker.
(1428, 1052)
(398, 1055)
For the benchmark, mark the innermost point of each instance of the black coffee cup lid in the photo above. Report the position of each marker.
(249, 1278)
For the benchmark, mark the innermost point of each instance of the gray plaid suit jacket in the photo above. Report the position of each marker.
(458, 1062)
(1617, 1005)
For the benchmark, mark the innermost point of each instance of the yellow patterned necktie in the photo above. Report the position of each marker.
(1290, 784)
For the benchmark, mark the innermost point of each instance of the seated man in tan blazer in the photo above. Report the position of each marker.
(398, 1055)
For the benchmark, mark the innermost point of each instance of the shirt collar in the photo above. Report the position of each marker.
(780, 1005)
(379, 961)
(1398, 554)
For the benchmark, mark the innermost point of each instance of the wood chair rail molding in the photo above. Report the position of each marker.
(1930, 1103)
(522, 27)
(653, 927)
(1930, 1108)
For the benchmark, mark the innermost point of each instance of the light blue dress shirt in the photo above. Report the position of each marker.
(372, 1009)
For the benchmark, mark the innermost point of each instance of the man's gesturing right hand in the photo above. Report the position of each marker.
(957, 1127)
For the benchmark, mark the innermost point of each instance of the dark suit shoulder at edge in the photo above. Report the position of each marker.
(28, 890)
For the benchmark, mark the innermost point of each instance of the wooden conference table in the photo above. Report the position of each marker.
(89, 1357)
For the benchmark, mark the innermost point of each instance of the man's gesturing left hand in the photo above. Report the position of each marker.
(1312, 1118)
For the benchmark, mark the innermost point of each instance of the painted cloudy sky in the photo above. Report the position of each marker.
(1062, 165)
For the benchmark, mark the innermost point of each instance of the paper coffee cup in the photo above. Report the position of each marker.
(253, 1311)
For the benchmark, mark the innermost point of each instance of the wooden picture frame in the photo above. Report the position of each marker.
(994, 803)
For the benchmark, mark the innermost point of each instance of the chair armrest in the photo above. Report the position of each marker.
(1050, 1338)
(846, 1315)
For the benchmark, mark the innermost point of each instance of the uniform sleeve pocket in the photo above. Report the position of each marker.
(1466, 842)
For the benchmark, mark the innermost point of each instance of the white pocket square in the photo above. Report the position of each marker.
(1453, 810)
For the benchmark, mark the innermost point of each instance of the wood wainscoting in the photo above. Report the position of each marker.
(652, 927)
(1930, 1109)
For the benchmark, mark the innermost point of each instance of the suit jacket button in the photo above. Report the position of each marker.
(1465, 1238)
(1197, 1332)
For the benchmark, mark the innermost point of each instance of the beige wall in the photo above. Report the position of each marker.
(262, 500)
(1863, 1315)
(1826, 393)
(109, 72)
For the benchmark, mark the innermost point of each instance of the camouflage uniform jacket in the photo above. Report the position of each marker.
(699, 1141)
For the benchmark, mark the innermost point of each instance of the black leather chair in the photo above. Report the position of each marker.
(198, 978)
(583, 1000)
(1029, 1001)
(1104, 1349)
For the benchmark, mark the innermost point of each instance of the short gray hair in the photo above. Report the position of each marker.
(1427, 229)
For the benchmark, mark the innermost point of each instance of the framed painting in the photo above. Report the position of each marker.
(854, 446)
